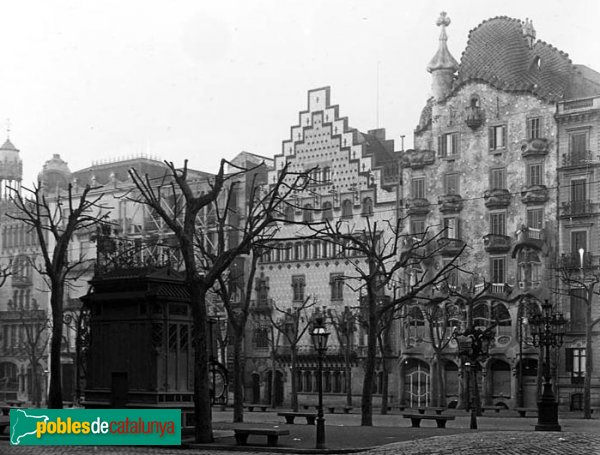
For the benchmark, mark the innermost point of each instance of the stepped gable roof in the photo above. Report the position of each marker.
(8, 146)
(377, 146)
(498, 53)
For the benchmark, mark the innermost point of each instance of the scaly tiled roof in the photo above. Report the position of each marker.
(499, 53)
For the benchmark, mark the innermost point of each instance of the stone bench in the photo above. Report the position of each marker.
(290, 416)
(346, 409)
(251, 406)
(272, 434)
(415, 419)
(438, 411)
(523, 411)
(488, 407)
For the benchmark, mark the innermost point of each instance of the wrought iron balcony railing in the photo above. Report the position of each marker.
(574, 209)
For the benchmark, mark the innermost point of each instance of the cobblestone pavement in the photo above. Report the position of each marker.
(478, 443)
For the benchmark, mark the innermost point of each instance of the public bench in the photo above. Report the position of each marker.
(488, 407)
(523, 411)
(251, 406)
(415, 419)
(290, 416)
(272, 434)
(346, 409)
(438, 411)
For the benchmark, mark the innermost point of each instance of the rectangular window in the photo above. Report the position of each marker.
(451, 184)
(535, 218)
(451, 228)
(577, 304)
(497, 137)
(578, 146)
(448, 145)
(578, 241)
(261, 338)
(498, 223)
(417, 227)
(498, 270)
(336, 281)
(534, 128)
(575, 364)
(498, 178)
(578, 190)
(535, 174)
(418, 188)
(298, 284)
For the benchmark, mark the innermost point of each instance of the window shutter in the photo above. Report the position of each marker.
(440, 142)
(491, 137)
(504, 143)
(455, 144)
(569, 360)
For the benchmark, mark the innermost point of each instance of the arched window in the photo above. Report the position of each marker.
(307, 213)
(337, 382)
(347, 208)
(298, 251)
(367, 207)
(501, 316)
(308, 381)
(326, 381)
(299, 382)
(288, 252)
(8, 377)
(416, 323)
(315, 247)
(307, 250)
(481, 315)
(529, 269)
(327, 211)
(326, 174)
(289, 214)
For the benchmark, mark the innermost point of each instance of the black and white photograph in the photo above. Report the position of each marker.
(285, 226)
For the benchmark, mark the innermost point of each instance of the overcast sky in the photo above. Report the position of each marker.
(203, 80)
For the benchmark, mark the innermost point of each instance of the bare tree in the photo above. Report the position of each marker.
(35, 327)
(379, 253)
(56, 219)
(581, 284)
(345, 325)
(292, 324)
(177, 199)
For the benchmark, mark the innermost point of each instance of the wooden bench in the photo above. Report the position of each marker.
(272, 434)
(523, 411)
(438, 411)
(492, 408)
(346, 409)
(251, 406)
(415, 419)
(291, 415)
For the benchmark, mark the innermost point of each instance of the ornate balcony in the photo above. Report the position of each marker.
(450, 203)
(496, 243)
(529, 237)
(534, 194)
(417, 159)
(474, 117)
(534, 148)
(578, 209)
(418, 206)
(579, 159)
(572, 261)
(497, 198)
(450, 247)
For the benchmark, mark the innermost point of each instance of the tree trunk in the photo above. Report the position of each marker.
(366, 407)
(55, 400)
(238, 376)
(587, 380)
(202, 406)
(384, 386)
(464, 397)
(273, 380)
(348, 371)
(294, 367)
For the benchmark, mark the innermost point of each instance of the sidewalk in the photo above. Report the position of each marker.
(344, 433)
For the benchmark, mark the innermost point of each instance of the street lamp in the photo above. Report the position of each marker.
(548, 331)
(319, 337)
(473, 346)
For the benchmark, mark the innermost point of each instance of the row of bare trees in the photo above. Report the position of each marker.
(381, 255)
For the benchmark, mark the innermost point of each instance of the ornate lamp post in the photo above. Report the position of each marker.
(319, 337)
(473, 346)
(548, 331)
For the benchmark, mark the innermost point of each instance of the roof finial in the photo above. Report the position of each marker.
(8, 128)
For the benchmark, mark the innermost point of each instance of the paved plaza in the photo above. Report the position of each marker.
(502, 433)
